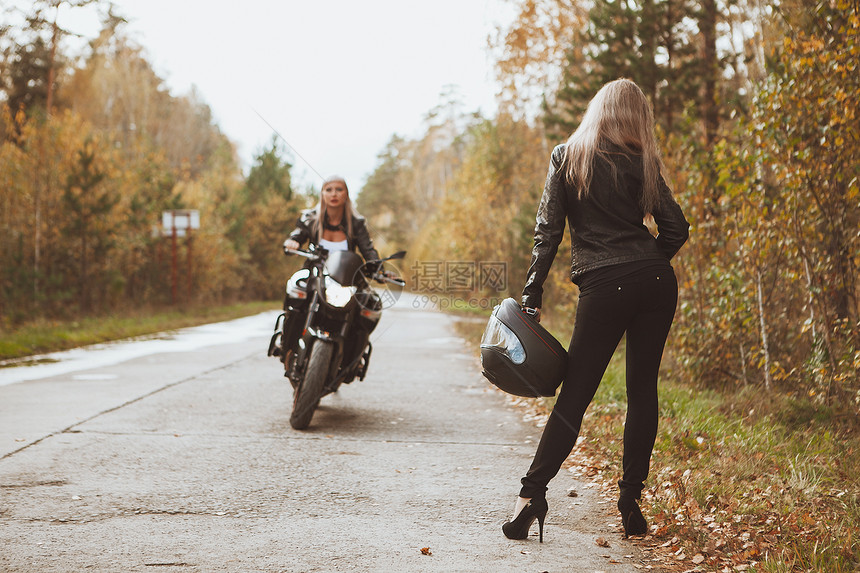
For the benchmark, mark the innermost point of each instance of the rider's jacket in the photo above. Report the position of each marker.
(360, 237)
(606, 224)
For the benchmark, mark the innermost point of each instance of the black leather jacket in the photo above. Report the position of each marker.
(360, 237)
(606, 225)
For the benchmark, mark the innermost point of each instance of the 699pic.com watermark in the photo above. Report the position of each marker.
(453, 284)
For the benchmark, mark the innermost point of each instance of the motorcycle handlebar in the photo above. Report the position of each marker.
(378, 276)
(384, 279)
(301, 253)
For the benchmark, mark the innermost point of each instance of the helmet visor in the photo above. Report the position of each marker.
(503, 339)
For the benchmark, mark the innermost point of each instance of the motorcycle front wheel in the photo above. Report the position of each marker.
(309, 391)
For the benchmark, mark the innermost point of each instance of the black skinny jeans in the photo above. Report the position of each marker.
(642, 306)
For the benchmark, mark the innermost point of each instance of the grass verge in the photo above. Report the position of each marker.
(41, 336)
(741, 482)
(747, 481)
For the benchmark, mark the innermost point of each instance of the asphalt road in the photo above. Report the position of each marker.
(185, 461)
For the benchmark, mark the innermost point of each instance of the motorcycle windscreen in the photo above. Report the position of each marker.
(344, 267)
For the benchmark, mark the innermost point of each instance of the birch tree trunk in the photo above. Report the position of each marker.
(762, 324)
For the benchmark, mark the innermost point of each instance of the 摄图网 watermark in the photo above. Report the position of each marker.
(459, 277)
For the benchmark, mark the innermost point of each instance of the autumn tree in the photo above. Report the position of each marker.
(117, 90)
(488, 215)
(33, 61)
(809, 125)
(414, 176)
(260, 216)
(385, 196)
(35, 166)
(773, 283)
(25, 80)
(648, 41)
(531, 51)
(147, 185)
(82, 188)
(89, 202)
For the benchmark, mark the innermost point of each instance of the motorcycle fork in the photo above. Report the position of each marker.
(304, 348)
(335, 377)
(310, 332)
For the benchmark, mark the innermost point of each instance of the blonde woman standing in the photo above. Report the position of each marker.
(603, 182)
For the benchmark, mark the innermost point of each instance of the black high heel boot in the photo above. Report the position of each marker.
(631, 517)
(536, 508)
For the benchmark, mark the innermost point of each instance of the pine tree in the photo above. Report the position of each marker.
(89, 203)
(643, 40)
(270, 174)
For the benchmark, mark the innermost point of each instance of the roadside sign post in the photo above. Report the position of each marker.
(179, 223)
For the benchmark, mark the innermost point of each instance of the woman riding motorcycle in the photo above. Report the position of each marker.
(334, 225)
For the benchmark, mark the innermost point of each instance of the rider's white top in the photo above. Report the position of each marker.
(334, 245)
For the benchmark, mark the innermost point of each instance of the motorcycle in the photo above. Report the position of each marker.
(331, 346)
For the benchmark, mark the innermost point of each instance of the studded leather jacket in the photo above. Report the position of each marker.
(606, 225)
(360, 237)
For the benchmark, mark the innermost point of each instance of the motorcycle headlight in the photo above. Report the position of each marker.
(337, 295)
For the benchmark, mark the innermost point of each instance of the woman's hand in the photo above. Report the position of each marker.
(382, 275)
(291, 244)
(532, 312)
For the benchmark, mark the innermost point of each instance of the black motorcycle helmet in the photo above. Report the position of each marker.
(519, 355)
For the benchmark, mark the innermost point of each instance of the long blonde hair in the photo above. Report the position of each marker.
(348, 210)
(618, 114)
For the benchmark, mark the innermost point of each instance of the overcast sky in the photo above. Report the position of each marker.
(335, 78)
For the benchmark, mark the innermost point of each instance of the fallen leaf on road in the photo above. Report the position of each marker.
(601, 542)
(426, 551)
